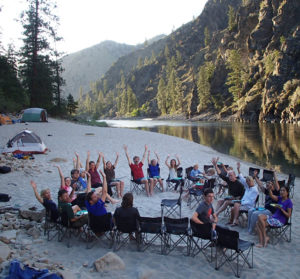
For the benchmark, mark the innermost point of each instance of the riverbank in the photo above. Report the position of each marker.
(63, 139)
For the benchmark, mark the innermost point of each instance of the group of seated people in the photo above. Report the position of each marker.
(86, 189)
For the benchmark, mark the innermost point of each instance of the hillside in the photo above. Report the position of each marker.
(239, 60)
(88, 65)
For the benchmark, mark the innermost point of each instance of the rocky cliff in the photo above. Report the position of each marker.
(239, 60)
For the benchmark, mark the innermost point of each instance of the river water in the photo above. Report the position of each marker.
(265, 144)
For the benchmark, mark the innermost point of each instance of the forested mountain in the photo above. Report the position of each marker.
(83, 68)
(238, 60)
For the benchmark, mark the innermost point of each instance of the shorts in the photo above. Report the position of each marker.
(245, 207)
(139, 180)
(274, 222)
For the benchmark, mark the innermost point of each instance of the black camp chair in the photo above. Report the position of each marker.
(268, 175)
(51, 226)
(157, 185)
(98, 227)
(150, 231)
(201, 240)
(125, 228)
(278, 234)
(232, 248)
(171, 185)
(136, 186)
(188, 179)
(195, 197)
(207, 167)
(175, 233)
(171, 207)
(251, 171)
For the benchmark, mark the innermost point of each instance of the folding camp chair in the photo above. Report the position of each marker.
(291, 184)
(268, 175)
(150, 231)
(231, 248)
(66, 230)
(170, 184)
(207, 167)
(195, 196)
(251, 171)
(178, 228)
(201, 240)
(136, 186)
(99, 226)
(50, 226)
(188, 179)
(171, 207)
(123, 231)
(244, 222)
(157, 185)
(281, 233)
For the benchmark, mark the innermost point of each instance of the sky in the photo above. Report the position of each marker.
(84, 23)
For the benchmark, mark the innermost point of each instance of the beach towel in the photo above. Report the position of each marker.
(16, 272)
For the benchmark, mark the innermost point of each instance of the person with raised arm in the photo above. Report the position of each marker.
(65, 184)
(267, 209)
(109, 170)
(248, 200)
(235, 187)
(173, 166)
(45, 199)
(92, 168)
(137, 168)
(154, 172)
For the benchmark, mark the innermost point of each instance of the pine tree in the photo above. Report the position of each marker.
(206, 36)
(161, 96)
(71, 104)
(236, 75)
(231, 18)
(132, 102)
(37, 67)
(203, 85)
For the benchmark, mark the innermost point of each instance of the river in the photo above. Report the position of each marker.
(265, 144)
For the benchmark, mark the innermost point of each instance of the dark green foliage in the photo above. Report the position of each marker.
(231, 18)
(206, 36)
(71, 104)
(12, 95)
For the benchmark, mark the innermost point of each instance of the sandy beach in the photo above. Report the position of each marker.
(64, 138)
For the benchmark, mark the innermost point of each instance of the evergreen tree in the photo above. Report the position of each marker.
(161, 96)
(206, 36)
(71, 104)
(237, 75)
(231, 18)
(37, 68)
(140, 63)
(205, 73)
(132, 102)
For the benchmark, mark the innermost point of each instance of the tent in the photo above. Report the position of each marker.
(25, 142)
(34, 115)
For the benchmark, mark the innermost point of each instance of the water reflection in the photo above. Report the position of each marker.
(269, 145)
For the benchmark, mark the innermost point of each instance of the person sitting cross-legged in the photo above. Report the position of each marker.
(248, 200)
(205, 212)
(137, 168)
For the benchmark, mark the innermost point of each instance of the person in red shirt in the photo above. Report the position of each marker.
(137, 168)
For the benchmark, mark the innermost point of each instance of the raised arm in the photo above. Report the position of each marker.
(89, 183)
(144, 155)
(37, 195)
(77, 166)
(214, 161)
(148, 157)
(167, 161)
(157, 157)
(276, 184)
(99, 160)
(127, 155)
(104, 187)
(104, 162)
(62, 178)
(273, 197)
(259, 183)
(178, 161)
(87, 163)
(238, 166)
(117, 160)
